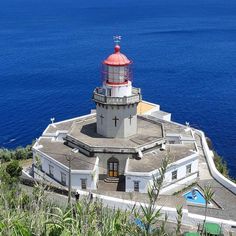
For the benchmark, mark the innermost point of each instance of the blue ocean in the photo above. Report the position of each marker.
(184, 54)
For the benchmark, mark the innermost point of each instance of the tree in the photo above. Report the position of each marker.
(5, 155)
(9, 176)
(20, 153)
(208, 195)
(150, 214)
(14, 169)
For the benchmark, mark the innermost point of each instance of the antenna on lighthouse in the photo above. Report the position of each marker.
(117, 39)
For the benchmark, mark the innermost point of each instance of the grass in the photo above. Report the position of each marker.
(26, 162)
(31, 215)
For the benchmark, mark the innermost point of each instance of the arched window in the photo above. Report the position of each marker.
(113, 167)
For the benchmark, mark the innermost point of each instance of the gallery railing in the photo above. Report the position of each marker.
(134, 98)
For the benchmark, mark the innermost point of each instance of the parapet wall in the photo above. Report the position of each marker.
(214, 172)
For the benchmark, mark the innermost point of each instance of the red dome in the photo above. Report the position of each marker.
(117, 58)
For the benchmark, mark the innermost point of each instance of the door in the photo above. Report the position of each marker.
(113, 167)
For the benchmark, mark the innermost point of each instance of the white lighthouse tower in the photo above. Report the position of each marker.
(116, 101)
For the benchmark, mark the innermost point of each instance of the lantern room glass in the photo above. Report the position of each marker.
(116, 74)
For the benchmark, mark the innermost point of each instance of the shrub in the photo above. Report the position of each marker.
(19, 153)
(14, 169)
(221, 165)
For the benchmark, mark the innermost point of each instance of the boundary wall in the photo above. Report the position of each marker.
(214, 172)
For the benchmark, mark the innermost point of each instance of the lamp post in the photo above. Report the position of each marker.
(69, 183)
(68, 158)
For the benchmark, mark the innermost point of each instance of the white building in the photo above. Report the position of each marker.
(123, 142)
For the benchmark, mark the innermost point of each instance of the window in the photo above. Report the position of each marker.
(63, 178)
(136, 186)
(174, 175)
(109, 92)
(188, 169)
(51, 168)
(171, 141)
(83, 183)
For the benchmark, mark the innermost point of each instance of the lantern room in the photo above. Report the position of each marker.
(117, 68)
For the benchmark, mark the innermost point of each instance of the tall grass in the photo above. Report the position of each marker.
(34, 214)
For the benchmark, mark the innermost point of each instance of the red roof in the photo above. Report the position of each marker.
(117, 58)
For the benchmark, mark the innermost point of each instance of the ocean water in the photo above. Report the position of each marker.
(184, 55)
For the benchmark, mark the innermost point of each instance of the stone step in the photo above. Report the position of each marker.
(111, 180)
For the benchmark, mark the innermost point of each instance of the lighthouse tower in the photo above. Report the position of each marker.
(116, 101)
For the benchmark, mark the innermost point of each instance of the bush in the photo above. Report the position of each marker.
(5, 155)
(21, 214)
(221, 165)
(19, 153)
(209, 143)
(14, 169)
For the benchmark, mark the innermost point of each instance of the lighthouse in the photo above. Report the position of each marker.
(116, 100)
(123, 143)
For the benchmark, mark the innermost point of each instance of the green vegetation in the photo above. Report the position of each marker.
(20, 153)
(208, 195)
(31, 213)
(222, 167)
(179, 219)
(220, 164)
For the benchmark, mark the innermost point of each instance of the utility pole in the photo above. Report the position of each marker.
(69, 192)
(69, 159)
(69, 182)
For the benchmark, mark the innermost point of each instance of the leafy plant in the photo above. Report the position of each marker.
(179, 211)
(208, 195)
(151, 215)
(32, 213)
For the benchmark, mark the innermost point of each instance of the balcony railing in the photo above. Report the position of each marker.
(134, 98)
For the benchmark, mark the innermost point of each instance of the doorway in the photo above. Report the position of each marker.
(113, 167)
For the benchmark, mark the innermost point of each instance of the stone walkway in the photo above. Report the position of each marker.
(204, 173)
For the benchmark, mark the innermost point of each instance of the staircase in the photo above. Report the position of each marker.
(111, 180)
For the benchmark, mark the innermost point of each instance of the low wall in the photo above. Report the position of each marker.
(214, 172)
(188, 218)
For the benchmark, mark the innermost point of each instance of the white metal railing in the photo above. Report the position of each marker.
(135, 97)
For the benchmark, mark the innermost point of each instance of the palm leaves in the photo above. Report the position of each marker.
(208, 195)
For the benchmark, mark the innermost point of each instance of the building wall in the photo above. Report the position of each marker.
(106, 126)
(57, 170)
(119, 90)
(181, 170)
(169, 186)
(39, 175)
(161, 115)
(76, 181)
(144, 183)
(180, 184)
(76, 176)
(103, 159)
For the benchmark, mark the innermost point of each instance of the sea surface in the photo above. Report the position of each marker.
(184, 54)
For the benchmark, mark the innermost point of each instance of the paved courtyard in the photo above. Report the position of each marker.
(225, 200)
